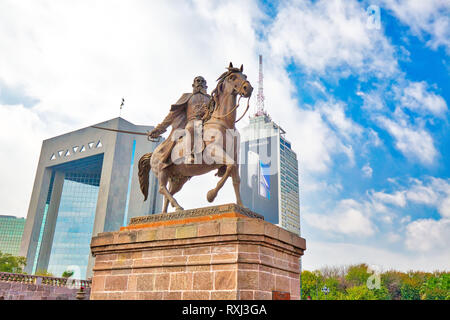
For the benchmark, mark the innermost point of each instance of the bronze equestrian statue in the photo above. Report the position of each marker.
(176, 160)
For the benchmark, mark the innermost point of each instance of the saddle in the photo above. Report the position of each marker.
(179, 151)
(179, 156)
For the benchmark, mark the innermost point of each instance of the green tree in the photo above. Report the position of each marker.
(313, 282)
(392, 281)
(411, 285)
(336, 292)
(310, 284)
(382, 293)
(360, 293)
(357, 275)
(355, 283)
(10, 263)
(43, 273)
(436, 287)
(67, 274)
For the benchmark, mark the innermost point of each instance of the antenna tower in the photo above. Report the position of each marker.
(260, 98)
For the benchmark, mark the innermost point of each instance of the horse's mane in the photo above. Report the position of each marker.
(218, 90)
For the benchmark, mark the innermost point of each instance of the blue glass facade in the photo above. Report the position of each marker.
(11, 231)
(44, 219)
(76, 215)
(130, 177)
(73, 231)
(264, 179)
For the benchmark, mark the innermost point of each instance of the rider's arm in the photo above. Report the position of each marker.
(161, 128)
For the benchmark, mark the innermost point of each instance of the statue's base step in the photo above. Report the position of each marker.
(189, 216)
(220, 254)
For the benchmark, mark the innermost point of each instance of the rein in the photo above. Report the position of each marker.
(246, 109)
(235, 107)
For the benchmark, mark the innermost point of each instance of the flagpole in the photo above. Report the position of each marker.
(121, 105)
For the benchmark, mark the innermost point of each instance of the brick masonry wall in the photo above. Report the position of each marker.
(22, 291)
(230, 258)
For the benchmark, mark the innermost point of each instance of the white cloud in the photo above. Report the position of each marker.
(353, 218)
(83, 57)
(422, 194)
(20, 142)
(325, 35)
(374, 138)
(432, 192)
(416, 97)
(373, 101)
(414, 143)
(320, 131)
(317, 85)
(428, 234)
(393, 237)
(444, 208)
(367, 170)
(316, 143)
(319, 254)
(406, 127)
(313, 185)
(335, 114)
(429, 18)
(405, 220)
(349, 218)
(397, 198)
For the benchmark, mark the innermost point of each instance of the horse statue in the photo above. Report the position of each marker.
(217, 126)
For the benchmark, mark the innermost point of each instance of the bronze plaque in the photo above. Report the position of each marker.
(280, 295)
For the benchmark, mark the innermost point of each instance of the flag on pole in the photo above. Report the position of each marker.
(121, 105)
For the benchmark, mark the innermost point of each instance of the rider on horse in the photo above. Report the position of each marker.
(187, 113)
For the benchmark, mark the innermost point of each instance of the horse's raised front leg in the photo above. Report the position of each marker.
(212, 194)
(163, 179)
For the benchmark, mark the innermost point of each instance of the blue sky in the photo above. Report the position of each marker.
(396, 169)
(366, 108)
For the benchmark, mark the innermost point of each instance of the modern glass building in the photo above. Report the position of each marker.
(11, 231)
(269, 173)
(86, 183)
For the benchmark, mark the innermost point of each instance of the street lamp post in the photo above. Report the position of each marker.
(325, 290)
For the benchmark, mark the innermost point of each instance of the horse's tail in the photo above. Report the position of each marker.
(144, 170)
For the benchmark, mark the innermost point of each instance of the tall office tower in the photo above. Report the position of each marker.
(269, 173)
(269, 169)
(86, 183)
(11, 230)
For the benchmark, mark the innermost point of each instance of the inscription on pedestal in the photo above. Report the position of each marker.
(194, 213)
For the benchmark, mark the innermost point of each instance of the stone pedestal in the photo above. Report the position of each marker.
(221, 252)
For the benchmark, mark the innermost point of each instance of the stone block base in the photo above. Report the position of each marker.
(211, 253)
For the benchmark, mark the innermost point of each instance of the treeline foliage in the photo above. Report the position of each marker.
(10, 263)
(358, 282)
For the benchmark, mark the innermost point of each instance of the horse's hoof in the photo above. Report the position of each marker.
(179, 209)
(211, 195)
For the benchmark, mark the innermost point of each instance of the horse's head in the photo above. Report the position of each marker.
(234, 82)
